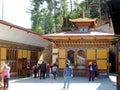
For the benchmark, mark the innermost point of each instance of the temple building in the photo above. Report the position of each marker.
(20, 47)
(85, 43)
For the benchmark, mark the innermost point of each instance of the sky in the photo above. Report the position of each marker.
(15, 12)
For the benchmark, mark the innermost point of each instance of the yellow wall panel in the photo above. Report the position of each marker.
(61, 53)
(61, 63)
(91, 54)
(102, 53)
(28, 54)
(24, 53)
(20, 54)
(3, 53)
(102, 64)
(39, 54)
(119, 56)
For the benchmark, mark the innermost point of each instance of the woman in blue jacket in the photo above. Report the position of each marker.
(67, 75)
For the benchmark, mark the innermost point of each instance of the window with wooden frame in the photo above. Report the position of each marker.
(11, 54)
(12, 57)
(34, 58)
(34, 55)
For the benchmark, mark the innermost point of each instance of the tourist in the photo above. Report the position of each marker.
(67, 73)
(54, 71)
(91, 71)
(47, 71)
(6, 75)
(42, 70)
(35, 71)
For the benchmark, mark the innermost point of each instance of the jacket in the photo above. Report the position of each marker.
(67, 72)
(6, 72)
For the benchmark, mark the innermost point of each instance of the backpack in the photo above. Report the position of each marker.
(35, 70)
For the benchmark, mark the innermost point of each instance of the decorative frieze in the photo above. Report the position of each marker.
(81, 43)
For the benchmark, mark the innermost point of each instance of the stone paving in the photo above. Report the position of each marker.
(77, 83)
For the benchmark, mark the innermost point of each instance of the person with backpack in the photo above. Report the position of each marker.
(91, 69)
(67, 73)
(35, 71)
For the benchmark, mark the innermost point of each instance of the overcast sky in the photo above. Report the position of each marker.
(15, 11)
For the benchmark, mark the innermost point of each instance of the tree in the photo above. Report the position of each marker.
(49, 16)
(36, 15)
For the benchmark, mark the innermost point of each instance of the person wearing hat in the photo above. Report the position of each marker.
(91, 71)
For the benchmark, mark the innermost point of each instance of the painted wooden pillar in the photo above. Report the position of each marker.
(75, 56)
(118, 70)
(62, 58)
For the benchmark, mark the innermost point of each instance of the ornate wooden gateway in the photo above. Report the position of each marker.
(80, 46)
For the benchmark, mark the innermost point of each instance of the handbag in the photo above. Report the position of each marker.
(5, 77)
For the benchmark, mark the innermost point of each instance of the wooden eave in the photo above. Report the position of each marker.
(13, 33)
(18, 27)
(83, 20)
(8, 44)
(103, 37)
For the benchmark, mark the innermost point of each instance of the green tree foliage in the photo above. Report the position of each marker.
(49, 16)
(36, 14)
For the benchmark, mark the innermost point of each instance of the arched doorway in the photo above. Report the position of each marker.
(70, 57)
(76, 58)
(81, 59)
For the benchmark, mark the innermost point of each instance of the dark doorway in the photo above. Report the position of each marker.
(70, 57)
(112, 60)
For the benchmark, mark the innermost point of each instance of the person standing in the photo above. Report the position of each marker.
(35, 71)
(91, 69)
(67, 73)
(96, 70)
(6, 75)
(54, 71)
(47, 71)
(42, 70)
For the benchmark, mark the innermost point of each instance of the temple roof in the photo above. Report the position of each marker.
(13, 33)
(91, 34)
(84, 23)
(98, 33)
(82, 20)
